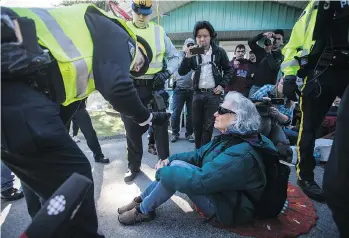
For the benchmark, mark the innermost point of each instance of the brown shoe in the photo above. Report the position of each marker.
(133, 217)
(136, 201)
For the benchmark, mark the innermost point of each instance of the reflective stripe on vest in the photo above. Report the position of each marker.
(294, 62)
(64, 32)
(69, 48)
(154, 35)
(157, 63)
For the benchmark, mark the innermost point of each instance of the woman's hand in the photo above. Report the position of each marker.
(162, 163)
(266, 99)
(274, 111)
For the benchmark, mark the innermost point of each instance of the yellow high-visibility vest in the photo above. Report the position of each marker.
(155, 36)
(301, 38)
(63, 31)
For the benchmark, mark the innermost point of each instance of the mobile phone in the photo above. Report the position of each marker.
(197, 50)
(278, 101)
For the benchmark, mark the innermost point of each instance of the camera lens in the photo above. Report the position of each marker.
(267, 42)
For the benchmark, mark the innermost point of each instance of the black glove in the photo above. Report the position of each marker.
(160, 78)
(160, 118)
(290, 88)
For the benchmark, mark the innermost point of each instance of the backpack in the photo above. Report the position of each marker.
(276, 175)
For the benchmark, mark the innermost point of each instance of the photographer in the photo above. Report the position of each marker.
(241, 72)
(212, 72)
(275, 115)
(268, 59)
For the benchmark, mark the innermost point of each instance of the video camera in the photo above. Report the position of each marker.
(263, 106)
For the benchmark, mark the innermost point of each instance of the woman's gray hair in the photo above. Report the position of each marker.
(247, 117)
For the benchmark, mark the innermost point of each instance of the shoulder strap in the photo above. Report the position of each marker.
(259, 161)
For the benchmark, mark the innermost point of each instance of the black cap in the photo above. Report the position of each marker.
(148, 56)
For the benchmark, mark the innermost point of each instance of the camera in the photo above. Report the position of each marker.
(269, 41)
(197, 50)
(263, 106)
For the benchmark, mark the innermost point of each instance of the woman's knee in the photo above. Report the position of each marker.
(180, 163)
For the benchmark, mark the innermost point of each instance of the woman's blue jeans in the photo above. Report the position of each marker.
(156, 194)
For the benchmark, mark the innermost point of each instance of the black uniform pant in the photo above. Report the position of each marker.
(313, 110)
(134, 134)
(336, 176)
(151, 136)
(204, 106)
(32, 128)
(83, 120)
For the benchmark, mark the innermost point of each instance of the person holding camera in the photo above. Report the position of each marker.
(268, 59)
(183, 94)
(276, 112)
(212, 72)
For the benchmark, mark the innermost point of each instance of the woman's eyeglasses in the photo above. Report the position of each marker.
(222, 111)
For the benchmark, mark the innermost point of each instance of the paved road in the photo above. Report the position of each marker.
(174, 219)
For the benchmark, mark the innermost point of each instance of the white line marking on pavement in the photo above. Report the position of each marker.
(4, 213)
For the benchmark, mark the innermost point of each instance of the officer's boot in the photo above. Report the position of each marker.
(312, 190)
(131, 174)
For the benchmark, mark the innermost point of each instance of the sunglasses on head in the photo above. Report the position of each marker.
(222, 111)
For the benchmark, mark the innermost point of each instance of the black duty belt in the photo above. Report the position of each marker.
(184, 89)
(143, 82)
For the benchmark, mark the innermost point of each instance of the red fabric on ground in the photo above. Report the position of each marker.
(298, 218)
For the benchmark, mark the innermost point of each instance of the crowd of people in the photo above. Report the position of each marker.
(250, 102)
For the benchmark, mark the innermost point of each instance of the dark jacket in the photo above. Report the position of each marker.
(221, 175)
(268, 64)
(239, 81)
(111, 66)
(221, 69)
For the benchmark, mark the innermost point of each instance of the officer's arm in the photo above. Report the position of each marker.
(111, 67)
(290, 65)
(172, 56)
(185, 66)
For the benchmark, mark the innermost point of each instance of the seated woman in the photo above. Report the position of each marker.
(280, 115)
(214, 176)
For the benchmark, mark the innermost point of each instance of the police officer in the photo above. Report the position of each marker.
(336, 175)
(316, 66)
(149, 85)
(52, 57)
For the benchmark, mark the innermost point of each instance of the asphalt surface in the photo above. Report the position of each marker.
(175, 218)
